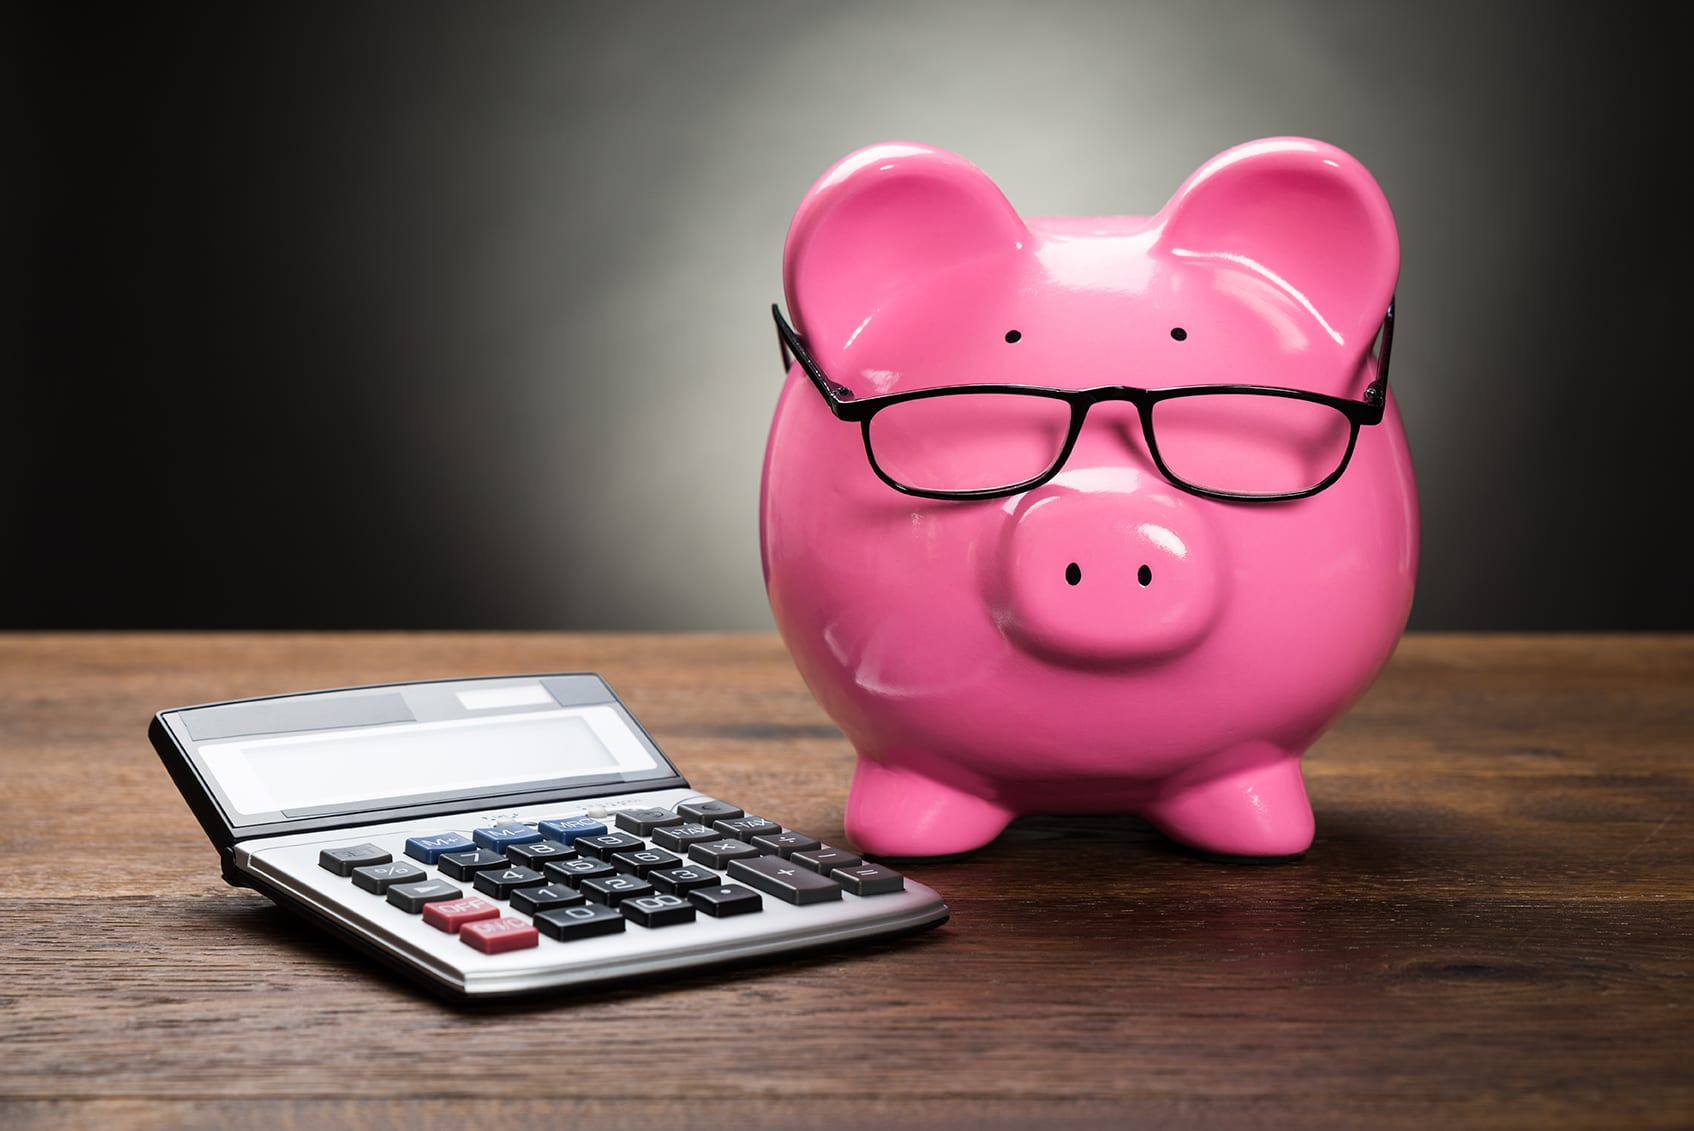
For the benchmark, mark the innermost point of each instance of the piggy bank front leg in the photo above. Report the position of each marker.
(1256, 808)
(895, 812)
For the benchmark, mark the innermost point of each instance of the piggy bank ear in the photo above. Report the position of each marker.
(1306, 217)
(881, 219)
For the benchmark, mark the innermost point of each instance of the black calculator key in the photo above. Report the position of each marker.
(717, 853)
(746, 828)
(706, 812)
(502, 882)
(573, 872)
(342, 861)
(604, 846)
(533, 901)
(642, 822)
(539, 853)
(464, 865)
(412, 897)
(869, 879)
(784, 879)
(645, 861)
(681, 881)
(614, 889)
(380, 877)
(725, 900)
(785, 844)
(823, 859)
(657, 910)
(677, 838)
(566, 830)
(580, 922)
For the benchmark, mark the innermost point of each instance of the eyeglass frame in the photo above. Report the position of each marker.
(845, 406)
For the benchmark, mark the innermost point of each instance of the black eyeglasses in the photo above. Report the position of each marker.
(1236, 442)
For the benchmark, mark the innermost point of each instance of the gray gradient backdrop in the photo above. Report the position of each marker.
(455, 315)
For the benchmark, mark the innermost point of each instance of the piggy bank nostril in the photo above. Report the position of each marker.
(1144, 576)
(1073, 573)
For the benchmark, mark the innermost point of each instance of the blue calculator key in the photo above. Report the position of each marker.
(429, 849)
(568, 829)
(501, 837)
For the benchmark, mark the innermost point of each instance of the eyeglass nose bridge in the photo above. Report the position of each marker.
(1084, 401)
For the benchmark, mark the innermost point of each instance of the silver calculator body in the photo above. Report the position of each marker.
(513, 835)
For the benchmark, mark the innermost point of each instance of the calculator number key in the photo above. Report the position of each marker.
(585, 921)
(681, 881)
(465, 865)
(539, 853)
(645, 861)
(657, 910)
(548, 897)
(612, 890)
(574, 872)
(606, 845)
(501, 883)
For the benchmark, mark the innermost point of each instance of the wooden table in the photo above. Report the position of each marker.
(1493, 929)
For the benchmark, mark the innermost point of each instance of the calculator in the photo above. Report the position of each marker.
(503, 836)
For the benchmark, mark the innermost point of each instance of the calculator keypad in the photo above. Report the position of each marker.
(583, 876)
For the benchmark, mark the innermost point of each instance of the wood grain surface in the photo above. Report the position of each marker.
(1495, 927)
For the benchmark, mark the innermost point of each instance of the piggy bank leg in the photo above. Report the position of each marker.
(895, 812)
(1256, 810)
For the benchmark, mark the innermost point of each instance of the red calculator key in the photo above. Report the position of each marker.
(451, 914)
(492, 936)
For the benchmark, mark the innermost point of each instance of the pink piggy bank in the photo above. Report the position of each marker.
(1093, 514)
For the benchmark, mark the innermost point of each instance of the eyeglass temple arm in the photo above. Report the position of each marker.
(793, 350)
(1376, 394)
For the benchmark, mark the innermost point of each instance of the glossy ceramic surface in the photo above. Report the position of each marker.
(1105, 642)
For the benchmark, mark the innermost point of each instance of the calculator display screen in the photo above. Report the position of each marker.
(339, 769)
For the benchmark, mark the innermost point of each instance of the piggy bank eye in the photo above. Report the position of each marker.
(1013, 335)
(1179, 334)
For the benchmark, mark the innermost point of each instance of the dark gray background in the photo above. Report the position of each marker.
(388, 315)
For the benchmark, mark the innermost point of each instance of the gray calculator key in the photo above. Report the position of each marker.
(412, 897)
(342, 861)
(379, 878)
(642, 822)
(870, 879)
(784, 879)
(717, 853)
(705, 812)
(824, 859)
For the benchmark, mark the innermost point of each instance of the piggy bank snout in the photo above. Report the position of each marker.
(1095, 577)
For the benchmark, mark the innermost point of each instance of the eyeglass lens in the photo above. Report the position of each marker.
(1231, 443)
(1250, 445)
(968, 441)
